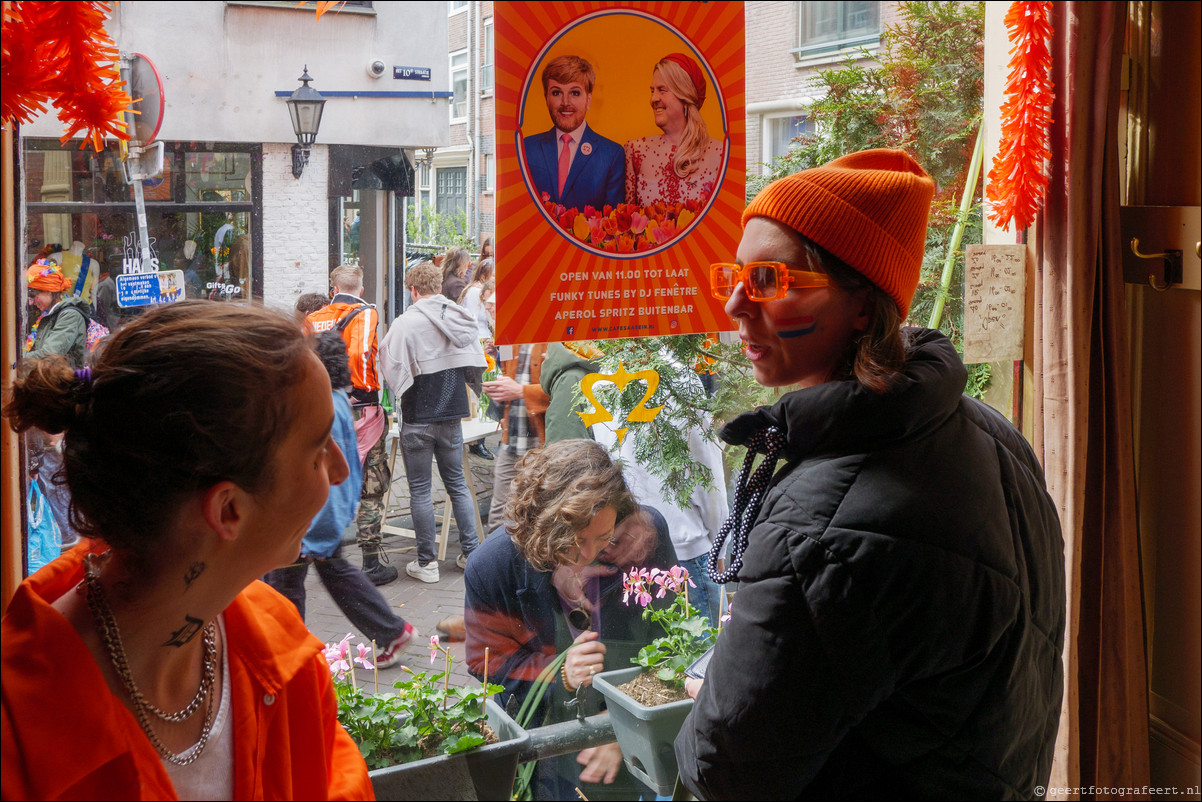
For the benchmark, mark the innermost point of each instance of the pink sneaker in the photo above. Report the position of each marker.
(392, 654)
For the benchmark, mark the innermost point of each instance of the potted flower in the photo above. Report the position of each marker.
(427, 740)
(647, 703)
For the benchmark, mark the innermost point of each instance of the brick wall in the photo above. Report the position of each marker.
(457, 39)
(486, 126)
(295, 226)
(772, 71)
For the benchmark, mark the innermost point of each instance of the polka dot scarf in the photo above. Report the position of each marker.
(749, 495)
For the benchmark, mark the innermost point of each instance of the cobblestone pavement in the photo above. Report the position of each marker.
(421, 604)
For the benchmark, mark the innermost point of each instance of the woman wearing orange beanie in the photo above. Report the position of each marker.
(56, 332)
(900, 615)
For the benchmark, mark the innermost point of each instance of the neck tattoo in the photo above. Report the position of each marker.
(106, 625)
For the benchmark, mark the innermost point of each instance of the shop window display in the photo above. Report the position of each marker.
(201, 216)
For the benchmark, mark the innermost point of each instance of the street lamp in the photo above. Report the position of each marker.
(304, 105)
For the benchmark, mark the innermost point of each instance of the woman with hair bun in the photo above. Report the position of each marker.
(550, 580)
(683, 163)
(197, 449)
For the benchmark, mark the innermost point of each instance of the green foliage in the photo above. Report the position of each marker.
(922, 94)
(441, 230)
(538, 691)
(662, 446)
(686, 637)
(425, 715)
(392, 728)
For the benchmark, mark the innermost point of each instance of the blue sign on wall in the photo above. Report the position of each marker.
(411, 73)
(143, 289)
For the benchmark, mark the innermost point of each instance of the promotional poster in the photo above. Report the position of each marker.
(621, 166)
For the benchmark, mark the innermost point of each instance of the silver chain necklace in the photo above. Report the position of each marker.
(106, 623)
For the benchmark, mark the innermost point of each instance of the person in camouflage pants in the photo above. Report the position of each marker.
(376, 478)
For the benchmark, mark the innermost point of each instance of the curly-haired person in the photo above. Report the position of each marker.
(550, 579)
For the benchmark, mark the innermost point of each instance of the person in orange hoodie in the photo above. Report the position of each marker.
(148, 662)
(357, 322)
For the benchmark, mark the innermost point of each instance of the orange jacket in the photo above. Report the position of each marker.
(361, 339)
(66, 736)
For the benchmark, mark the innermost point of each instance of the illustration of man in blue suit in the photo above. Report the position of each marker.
(572, 164)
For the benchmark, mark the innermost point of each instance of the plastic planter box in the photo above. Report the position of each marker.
(483, 773)
(646, 734)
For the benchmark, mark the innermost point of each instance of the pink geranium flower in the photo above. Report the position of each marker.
(433, 648)
(338, 656)
(362, 658)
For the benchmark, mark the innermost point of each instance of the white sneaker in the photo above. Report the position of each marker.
(427, 573)
(461, 561)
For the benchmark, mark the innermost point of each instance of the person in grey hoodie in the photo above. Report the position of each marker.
(424, 358)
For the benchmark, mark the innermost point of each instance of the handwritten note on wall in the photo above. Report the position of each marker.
(995, 286)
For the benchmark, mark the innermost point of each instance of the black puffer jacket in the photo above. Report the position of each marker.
(898, 627)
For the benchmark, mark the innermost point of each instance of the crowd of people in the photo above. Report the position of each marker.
(900, 608)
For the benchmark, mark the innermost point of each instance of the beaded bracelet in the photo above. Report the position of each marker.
(563, 673)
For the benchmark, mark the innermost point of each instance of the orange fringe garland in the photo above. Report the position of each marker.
(325, 5)
(1017, 180)
(59, 53)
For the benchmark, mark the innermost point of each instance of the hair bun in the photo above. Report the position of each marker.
(47, 394)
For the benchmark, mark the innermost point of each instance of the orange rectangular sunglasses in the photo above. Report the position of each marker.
(762, 281)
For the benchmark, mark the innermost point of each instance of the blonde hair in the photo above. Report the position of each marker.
(346, 278)
(426, 278)
(557, 492)
(693, 141)
(482, 276)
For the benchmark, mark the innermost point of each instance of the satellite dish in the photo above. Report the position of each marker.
(146, 88)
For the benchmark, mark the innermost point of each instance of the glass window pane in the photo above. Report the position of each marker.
(836, 22)
(859, 18)
(56, 174)
(821, 22)
(782, 131)
(459, 85)
(216, 177)
(486, 69)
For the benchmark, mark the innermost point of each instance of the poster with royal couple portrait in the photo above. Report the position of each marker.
(620, 166)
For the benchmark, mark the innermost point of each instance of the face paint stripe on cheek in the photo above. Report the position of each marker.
(788, 327)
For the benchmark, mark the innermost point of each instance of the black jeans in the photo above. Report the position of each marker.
(360, 601)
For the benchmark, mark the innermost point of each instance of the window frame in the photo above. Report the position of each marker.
(766, 133)
(466, 69)
(176, 153)
(487, 66)
(830, 49)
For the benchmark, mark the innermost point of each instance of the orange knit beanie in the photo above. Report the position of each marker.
(869, 209)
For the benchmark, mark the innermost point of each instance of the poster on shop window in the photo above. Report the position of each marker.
(620, 164)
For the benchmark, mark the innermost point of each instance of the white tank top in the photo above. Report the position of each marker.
(211, 776)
